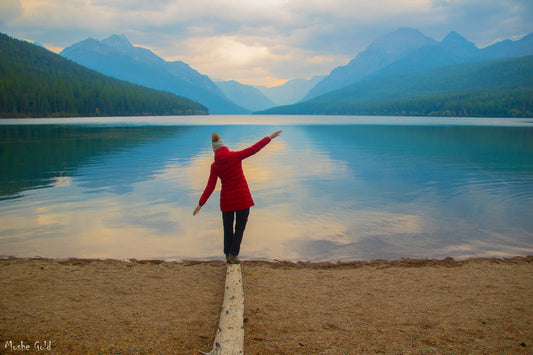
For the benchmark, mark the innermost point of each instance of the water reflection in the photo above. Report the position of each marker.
(338, 192)
(33, 156)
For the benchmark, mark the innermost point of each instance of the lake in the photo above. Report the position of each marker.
(330, 188)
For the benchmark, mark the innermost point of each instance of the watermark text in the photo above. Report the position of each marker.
(23, 346)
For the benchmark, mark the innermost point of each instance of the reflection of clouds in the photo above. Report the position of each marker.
(62, 181)
(45, 219)
(275, 233)
(263, 168)
(113, 230)
(270, 228)
(191, 175)
(119, 229)
(268, 170)
(287, 163)
(384, 223)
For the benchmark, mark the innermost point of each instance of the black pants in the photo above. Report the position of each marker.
(233, 237)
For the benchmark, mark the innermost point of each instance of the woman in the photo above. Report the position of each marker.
(235, 197)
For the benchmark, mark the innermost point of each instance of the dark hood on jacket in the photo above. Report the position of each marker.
(222, 155)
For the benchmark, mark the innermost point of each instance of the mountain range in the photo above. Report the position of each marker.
(407, 50)
(257, 98)
(403, 51)
(246, 96)
(292, 91)
(408, 73)
(115, 56)
(496, 88)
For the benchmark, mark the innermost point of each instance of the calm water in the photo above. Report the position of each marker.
(347, 189)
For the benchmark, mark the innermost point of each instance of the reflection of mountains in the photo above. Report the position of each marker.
(35, 156)
(487, 147)
(428, 155)
(422, 191)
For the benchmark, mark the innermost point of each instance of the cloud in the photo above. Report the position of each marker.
(257, 41)
(135, 5)
(250, 59)
(9, 9)
(483, 22)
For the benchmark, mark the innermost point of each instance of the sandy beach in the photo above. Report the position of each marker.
(478, 306)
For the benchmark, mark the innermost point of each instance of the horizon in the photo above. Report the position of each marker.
(258, 43)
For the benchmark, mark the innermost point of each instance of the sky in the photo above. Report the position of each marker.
(260, 42)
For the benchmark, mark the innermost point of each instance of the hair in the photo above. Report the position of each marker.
(215, 137)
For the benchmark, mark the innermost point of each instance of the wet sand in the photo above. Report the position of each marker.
(406, 306)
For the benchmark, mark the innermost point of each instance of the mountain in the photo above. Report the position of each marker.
(408, 50)
(39, 83)
(510, 49)
(501, 88)
(245, 95)
(454, 49)
(256, 98)
(456, 44)
(117, 57)
(292, 91)
(381, 53)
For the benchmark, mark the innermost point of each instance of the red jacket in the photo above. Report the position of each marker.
(235, 194)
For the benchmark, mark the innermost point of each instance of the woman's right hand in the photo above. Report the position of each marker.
(196, 210)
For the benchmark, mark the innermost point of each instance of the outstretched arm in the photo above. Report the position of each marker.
(245, 153)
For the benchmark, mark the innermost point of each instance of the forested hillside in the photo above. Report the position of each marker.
(38, 83)
(501, 88)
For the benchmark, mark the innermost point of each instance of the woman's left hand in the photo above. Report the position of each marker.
(275, 134)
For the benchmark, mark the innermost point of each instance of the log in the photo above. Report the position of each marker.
(230, 333)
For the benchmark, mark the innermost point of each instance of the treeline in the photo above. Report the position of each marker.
(510, 103)
(485, 89)
(38, 83)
